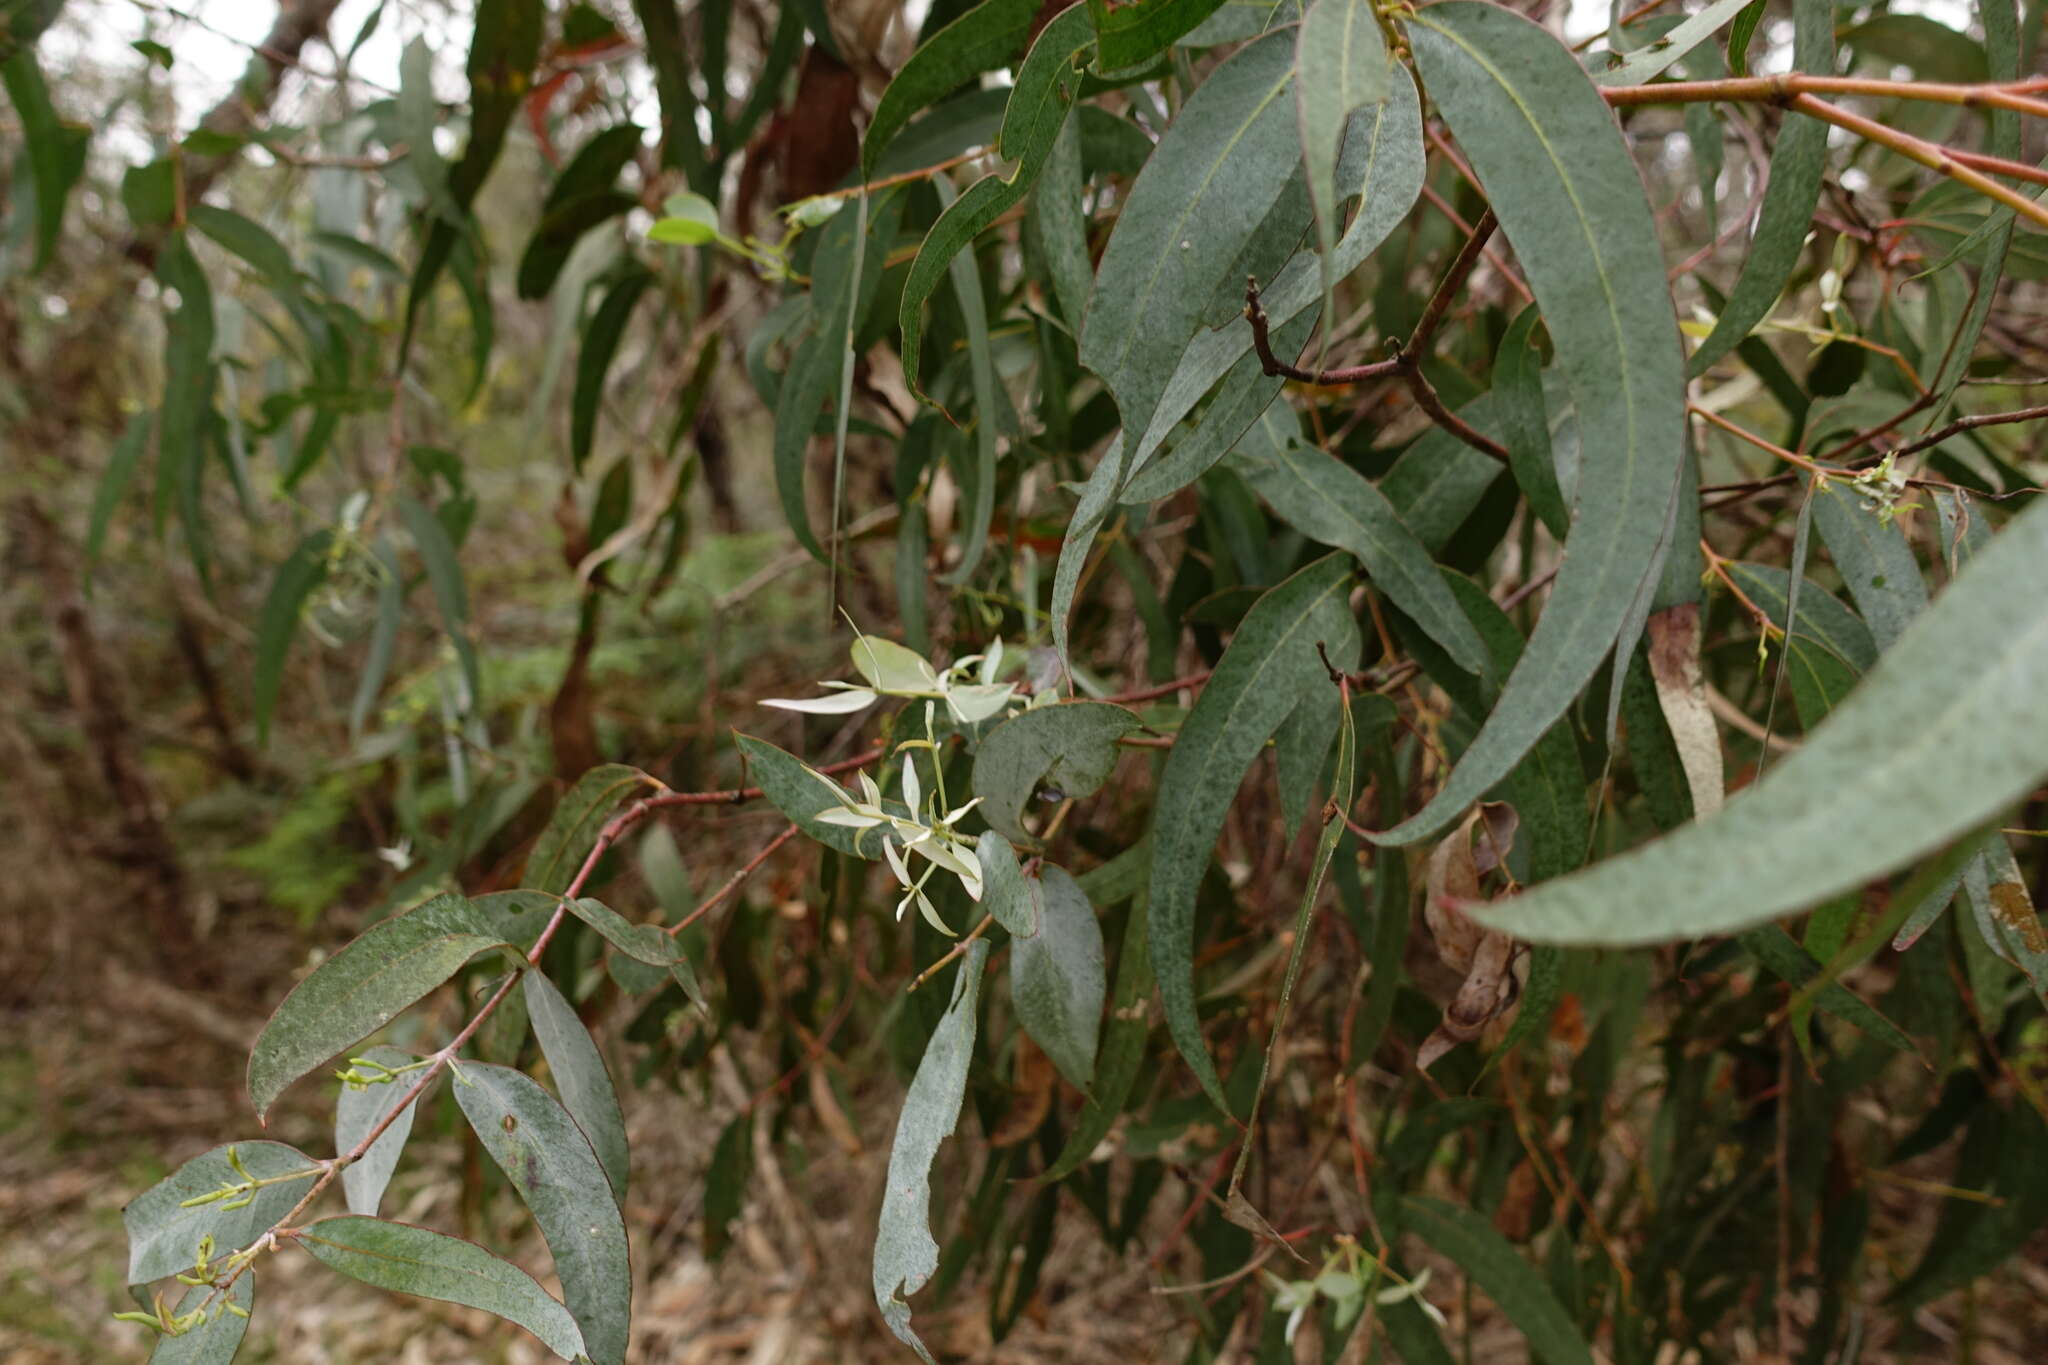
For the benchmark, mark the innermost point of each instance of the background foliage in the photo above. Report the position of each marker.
(419, 478)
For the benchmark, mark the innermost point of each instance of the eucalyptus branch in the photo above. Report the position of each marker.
(1963, 424)
(1789, 87)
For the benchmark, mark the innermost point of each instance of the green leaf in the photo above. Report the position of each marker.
(580, 1074)
(249, 240)
(600, 343)
(725, 1184)
(977, 480)
(1340, 64)
(45, 146)
(1333, 504)
(1271, 662)
(985, 38)
(149, 193)
(363, 987)
(1121, 1055)
(1132, 33)
(164, 1233)
(1922, 752)
(1206, 191)
(1786, 959)
(1525, 422)
(1515, 1286)
(1057, 977)
(302, 572)
(188, 398)
(433, 1265)
(215, 1341)
(444, 576)
(113, 486)
(1006, 893)
(579, 817)
(648, 943)
(581, 198)
(1568, 195)
(1798, 162)
(1653, 59)
(1037, 111)
(1070, 748)
(547, 1159)
(1876, 563)
(356, 1112)
(905, 1254)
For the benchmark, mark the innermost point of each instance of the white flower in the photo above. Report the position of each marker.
(922, 831)
(891, 670)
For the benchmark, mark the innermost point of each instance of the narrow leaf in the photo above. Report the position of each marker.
(1516, 1288)
(444, 576)
(1272, 659)
(433, 1265)
(1569, 197)
(579, 816)
(905, 1254)
(1057, 977)
(1340, 63)
(600, 344)
(580, 1075)
(985, 38)
(547, 1159)
(302, 572)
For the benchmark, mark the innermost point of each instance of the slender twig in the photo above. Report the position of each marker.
(1963, 424)
(1454, 279)
(1790, 87)
(1789, 457)
(1162, 689)
(1928, 154)
(733, 882)
(958, 950)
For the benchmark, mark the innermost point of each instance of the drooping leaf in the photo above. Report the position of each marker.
(905, 1254)
(579, 817)
(1868, 792)
(1006, 893)
(251, 241)
(977, 475)
(433, 1265)
(600, 343)
(1653, 59)
(1068, 748)
(1524, 422)
(986, 37)
(1340, 64)
(189, 378)
(1797, 163)
(366, 985)
(1039, 100)
(1207, 189)
(547, 1159)
(1057, 977)
(165, 1228)
(1521, 1294)
(795, 790)
(451, 595)
(356, 1112)
(580, 1075)
(1272, 660)
(215, 1341)
(581, 198)
(300, 574)
(47, 146)
(1569, 197)
(1132, 33)
(1332, 503)
(113, 486)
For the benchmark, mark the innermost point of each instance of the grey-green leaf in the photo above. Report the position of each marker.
(1330, 502)
(1057, 977)
(364, 986)
(433, 1265)
(356, 1112)
(578, 818)
(547, 1159)
(1923, 751)
(1568, 195)
(580, 1075)
(1271, 661)
(796, 791)
(163, 1234)
(1207, 189)
(451, 595)
(1340, 64)
(905, 1254)
(1006, 893)
(1068, 748)
(303, 571)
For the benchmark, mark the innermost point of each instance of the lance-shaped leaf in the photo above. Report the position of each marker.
(1120, 1056)
(1340, 63)
(1039, 101)
(1206, 191)
(1654, 59)
(547, 1159)
(1271, 662)
(579, 816)
(1069, 749)
(580, 1075)
(1522, 1294)
(1006, 893)
(297, 577)
(1567, 193)
(165, 1227)
(1330, 502)
(1129, 34)
(357, 1110)
(986, 37)
(433, 1265)
(215, 1341)
(364, 986)
(801, 794)
(1923, 751)
(451, 595)
(1797, 163)
(1057, 977)
(905, 1254)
